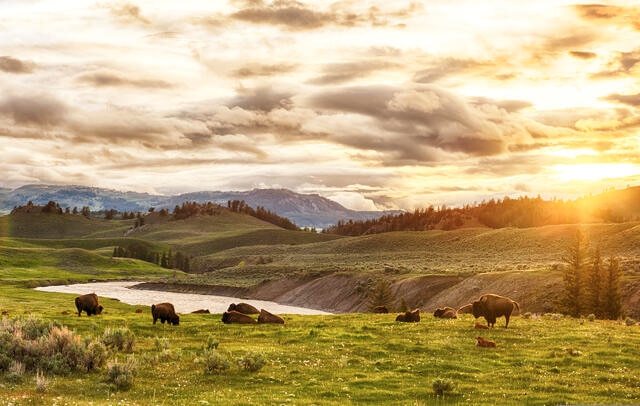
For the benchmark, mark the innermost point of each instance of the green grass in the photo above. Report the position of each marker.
(344, 359)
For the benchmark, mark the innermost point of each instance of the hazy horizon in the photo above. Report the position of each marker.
(372, 104)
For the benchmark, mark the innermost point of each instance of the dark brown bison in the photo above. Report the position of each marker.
(245, 308)
(492, 306)
(234, 316)
(409, 316)
(481, 342)
(89, 304)
(266, 317)
(201, 311)
(466, 309)
(165, 312)
(380, 309)
(446, 313)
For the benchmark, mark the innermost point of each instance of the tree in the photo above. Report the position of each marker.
(381, 295)
(575, 258)
(611, 296)
(593, 289)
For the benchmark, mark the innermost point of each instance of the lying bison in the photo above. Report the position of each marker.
(234, 316)
(466, 309)
(245, 308)
(88, 303)
(446, 313)
(165, 312)
(380, 309)
(266, 317)
(492, 306)
(201, 311)
(409, 316)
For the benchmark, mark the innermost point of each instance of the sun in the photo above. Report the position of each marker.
(594, 171)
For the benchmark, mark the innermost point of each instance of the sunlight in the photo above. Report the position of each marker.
(591, 172)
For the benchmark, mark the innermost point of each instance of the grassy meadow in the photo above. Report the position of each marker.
(337, 359)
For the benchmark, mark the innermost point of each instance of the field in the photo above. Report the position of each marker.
(338, 359)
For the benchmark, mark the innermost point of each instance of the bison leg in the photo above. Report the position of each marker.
(155, 319)
(506, 316)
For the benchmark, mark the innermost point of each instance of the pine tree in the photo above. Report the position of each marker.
(575, 257)
(381, 295)
(611, 298)
(593, 289)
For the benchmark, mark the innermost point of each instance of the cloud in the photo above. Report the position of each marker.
(610, 14)
(344, 72)
(108, 79)
(623, 64)
(41, 109)
(13, 65)
(583, 54)
(628, 99)
(260, 99)
(441, 68)
(256, 70)
(128, 13)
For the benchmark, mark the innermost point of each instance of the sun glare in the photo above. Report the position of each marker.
(591, 172)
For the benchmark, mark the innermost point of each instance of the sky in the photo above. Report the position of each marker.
(374, 104)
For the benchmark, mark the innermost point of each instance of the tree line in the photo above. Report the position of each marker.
(166, 259)
(495, 213)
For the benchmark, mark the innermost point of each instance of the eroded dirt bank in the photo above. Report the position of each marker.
(344, 293)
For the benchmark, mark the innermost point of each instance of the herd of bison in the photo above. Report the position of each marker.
(489, 306)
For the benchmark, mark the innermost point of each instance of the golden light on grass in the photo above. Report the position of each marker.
(594, 171)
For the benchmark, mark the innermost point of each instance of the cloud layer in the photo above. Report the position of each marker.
(375, 103)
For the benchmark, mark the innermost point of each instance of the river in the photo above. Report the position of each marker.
(183, 302)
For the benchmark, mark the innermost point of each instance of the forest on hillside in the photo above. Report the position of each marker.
(496, 213)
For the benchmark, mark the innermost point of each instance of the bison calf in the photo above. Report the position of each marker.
(446, 313)
(481, 342)
(89, 304)
(165, 312)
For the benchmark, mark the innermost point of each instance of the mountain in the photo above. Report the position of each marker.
(305, 210)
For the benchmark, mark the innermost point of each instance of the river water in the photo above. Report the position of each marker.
(183, 302)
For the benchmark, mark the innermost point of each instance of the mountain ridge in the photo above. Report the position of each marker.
(305, 210)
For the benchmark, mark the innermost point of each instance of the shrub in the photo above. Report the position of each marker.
(121, 374)
(527, 315)
(42, 383)
(441, 386)
(161, 344)
(212, 343)
(16, 372)
(629, 321)
(95, 355)
(120, 338)
(251, 362)
(591, 317)
(215, 362)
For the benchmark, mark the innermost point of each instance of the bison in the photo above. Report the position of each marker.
(409, 316)
(481, 342)
(245, 308)
(492, 306)
(445, 313)
(201, 311)
(234, 316)
(380, 309)
(266, 317)
(481, 326)
(165, 312)
(89, 304)
(466, 309)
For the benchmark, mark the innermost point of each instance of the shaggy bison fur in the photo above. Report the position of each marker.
(201, 311)
(380, 309)
(266, 317)
(245, 308)
(234, 316)
(89, 304)
(409, 316)
(492, 306)
(446, 313)
(165, 312)
(466, 309)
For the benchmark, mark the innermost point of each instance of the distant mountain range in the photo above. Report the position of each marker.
(305, 210)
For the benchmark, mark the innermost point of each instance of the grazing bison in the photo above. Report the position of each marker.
(492, 306)
(380, 309)
(201, 311)
(165, 312)
(409, 316)
(466, 309)
(234, 316)
(445, 313)
(245, 308)
(89, 304)
(266, 317)
(481, 342)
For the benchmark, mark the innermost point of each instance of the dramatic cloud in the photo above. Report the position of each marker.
(41, 109)
(629, 99)
(112, 79)
(128, 12)
(13, 65)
